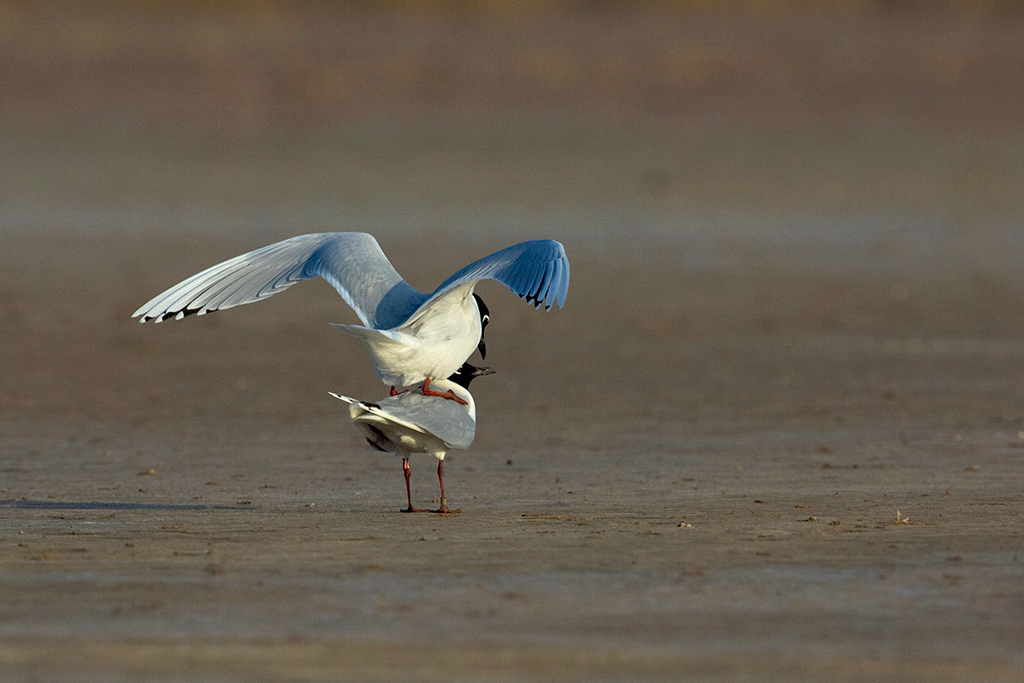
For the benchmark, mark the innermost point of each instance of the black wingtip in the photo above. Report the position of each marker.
(173, 315)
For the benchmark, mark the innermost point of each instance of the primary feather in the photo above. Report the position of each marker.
(438, 331)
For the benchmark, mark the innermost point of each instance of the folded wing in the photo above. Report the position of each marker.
(447, 420)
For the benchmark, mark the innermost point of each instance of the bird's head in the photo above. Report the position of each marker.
(467, 373)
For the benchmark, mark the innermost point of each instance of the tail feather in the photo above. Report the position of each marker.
(356, 408)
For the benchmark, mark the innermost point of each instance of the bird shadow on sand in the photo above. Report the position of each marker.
(97, 505)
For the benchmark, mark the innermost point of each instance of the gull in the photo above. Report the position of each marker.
(412, 336)
(414, 422)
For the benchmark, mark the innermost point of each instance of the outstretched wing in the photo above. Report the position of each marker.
(537, 271)
(351, 261)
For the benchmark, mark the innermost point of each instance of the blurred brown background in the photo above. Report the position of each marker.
(884, 108)
(795, 234)
(775, 170)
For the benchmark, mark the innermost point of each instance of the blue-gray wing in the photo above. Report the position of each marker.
(445, 419)
(537, 271)
(351, 261)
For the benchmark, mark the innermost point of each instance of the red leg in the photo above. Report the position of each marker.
(408, 490)
(396, 393)
(444, 501)
(442, 394)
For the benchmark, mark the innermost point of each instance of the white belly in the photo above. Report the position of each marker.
(432, 345)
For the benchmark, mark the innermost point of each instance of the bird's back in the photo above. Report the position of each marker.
(415, 422)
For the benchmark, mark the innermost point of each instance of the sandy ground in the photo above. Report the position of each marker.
(185, 501)
(775, 435)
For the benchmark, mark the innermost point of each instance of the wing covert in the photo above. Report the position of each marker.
(537, 271)
(352, 262)
(444, 419)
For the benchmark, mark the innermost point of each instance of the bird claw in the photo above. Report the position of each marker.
(446, 394)
(450, 395)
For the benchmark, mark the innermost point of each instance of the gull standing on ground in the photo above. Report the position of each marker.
(412, 337)
(413, 422)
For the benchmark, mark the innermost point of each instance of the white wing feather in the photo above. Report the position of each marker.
(351, 261)
(354, 264)
(447, 420)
